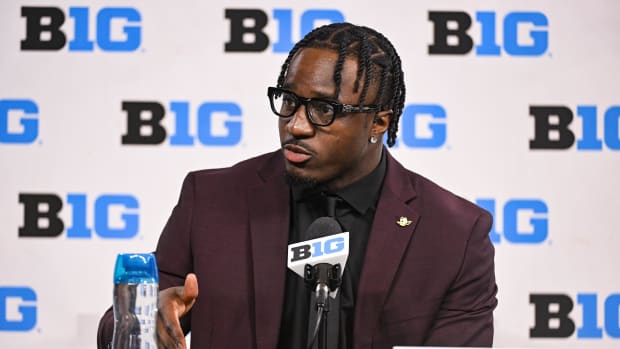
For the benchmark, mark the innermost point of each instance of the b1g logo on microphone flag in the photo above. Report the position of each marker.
(331, 249)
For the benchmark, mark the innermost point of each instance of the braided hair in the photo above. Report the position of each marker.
(378, 60)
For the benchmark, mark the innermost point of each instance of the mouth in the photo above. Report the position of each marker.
(296, 154)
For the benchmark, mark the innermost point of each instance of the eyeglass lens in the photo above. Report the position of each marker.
(285, 104)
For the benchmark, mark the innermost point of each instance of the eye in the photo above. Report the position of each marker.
(288, 100)
(323, 108)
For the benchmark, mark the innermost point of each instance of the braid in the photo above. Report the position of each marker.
(364, 64)
(398, 96)
(338, 72)
(377, 58)
(384, 81)
(363, 58)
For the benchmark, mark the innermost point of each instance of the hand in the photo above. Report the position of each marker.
(174, 302)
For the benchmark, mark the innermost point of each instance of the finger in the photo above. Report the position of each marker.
(175, 302)
(169, 332)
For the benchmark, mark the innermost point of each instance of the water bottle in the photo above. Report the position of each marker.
(136, 287)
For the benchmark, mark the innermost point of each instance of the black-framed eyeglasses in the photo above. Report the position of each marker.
(320, 112)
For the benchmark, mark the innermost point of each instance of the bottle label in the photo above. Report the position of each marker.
(135, 315)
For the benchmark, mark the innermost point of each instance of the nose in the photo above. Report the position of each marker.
(299, 125)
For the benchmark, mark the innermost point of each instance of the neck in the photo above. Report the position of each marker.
(365, 170)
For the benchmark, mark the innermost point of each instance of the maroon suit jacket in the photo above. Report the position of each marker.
(429, 283)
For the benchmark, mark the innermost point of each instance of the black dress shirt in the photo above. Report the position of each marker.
(355, 212)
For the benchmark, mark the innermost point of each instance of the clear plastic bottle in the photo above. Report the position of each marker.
(136, 288)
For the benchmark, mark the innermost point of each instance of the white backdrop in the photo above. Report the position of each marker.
(61, 125)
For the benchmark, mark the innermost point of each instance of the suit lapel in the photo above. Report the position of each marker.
(268, 204)
(389, 237)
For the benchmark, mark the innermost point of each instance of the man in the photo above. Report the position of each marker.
(420, 268)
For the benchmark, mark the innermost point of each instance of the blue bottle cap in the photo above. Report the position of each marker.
(136, 268)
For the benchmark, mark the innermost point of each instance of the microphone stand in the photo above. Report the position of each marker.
(323, 277)
(322, 302)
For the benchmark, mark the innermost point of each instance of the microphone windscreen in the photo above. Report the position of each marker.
(321, 227)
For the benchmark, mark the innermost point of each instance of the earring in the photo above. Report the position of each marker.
(373, 139)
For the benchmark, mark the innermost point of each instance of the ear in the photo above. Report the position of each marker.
(380, 123)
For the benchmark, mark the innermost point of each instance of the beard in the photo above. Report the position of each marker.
(304, 182)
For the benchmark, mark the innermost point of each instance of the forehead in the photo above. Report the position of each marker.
(311, 73)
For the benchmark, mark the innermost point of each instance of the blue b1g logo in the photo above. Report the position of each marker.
(18, 309)
(247, 27)
(553, 318)
(44, 29)
(42, 216)
(144, 126)
(422, 126)
(318, 248)
(450, 33)
(552, 129)
(535, 211)
(19, 121)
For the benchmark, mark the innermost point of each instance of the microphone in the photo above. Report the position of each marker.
(321, 259)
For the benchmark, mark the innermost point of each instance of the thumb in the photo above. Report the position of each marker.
(190, 290)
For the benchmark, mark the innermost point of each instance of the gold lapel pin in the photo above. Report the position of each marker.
(403, 221)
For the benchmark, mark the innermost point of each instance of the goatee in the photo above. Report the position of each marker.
(305, 182)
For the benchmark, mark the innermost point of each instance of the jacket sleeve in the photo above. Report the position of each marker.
(465, 317)
(106, 330)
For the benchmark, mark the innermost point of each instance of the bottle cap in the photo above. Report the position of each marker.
(136, 268)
